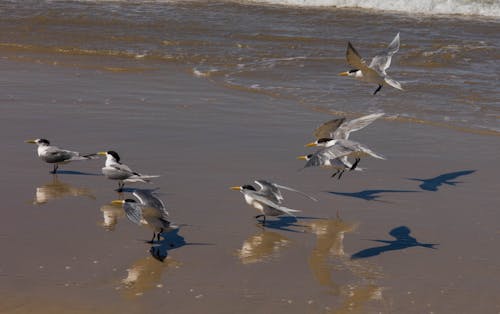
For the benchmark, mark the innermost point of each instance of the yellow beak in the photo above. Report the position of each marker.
(344, 73)
(236, 188)
(30, 141)
(102, 153)
(302, 157)
(311, 144)
(117, 202)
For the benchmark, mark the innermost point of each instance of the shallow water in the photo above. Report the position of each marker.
(448, 65)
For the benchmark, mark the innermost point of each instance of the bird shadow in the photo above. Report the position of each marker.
(433, 184)
(171, 240)
(369, 195)
(403, 241)
(285, 223)
(77, 173)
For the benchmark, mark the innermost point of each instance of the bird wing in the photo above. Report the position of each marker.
(354, 125)
(382, 60)
(354, 59)
(150, 199)
(353, 146)
(262, 199)
(269, 189)
(55, 153)
(320, 157)
(275, 189)
(326, 129)
(296, 191)
(125, 168)
(133, 212)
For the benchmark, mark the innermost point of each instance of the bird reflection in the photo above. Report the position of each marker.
(145, 275)
(403, 241)
(329, 242)
(261, 246)
(357, 297)
(56, 189)
(111, 213)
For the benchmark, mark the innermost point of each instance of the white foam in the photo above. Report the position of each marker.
(462, 7)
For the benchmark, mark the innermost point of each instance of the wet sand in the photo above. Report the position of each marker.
(436, 248)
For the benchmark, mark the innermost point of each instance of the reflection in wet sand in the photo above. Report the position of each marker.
(146, 275)
(57, 189)
(357, 297)
(261, 246)
(330, 244)
(111, 213)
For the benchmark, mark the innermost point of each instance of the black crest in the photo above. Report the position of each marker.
(43, 141)
(248, 187)
(129, 200)
(353, 71)
(324, 140)
(115, 155)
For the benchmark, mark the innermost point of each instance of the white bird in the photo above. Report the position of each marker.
(150, 211)
(336, 149)
(57, 156)
(339, 164)
(375, 72)
(267, 200)
(340, 129)
(115, 170)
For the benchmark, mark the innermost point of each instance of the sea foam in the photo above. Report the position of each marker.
(461, 7)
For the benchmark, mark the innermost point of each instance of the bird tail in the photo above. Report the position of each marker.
(374, 154)
(289, 211)
(91, 156)
(393, 83)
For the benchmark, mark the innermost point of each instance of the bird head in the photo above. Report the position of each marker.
(322, 142)
(121, 202)
(305, 157)
(39, 142)
(352, 72)
(243, 187)
(112, 155)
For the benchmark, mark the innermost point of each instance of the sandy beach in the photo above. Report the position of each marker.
(440, 233)
(416, 233)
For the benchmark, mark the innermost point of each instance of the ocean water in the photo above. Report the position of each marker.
(447, 63)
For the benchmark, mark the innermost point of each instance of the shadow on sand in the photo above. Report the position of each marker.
(285, 222)
(433, 184)
(77, 173)
(403, 241)
(369, 195)
(171, 240)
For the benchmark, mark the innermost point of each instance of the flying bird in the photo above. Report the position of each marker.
(375, 72)
(57, 156)
(115, 170)
(268, 199)
(333, 152)
(150, 210)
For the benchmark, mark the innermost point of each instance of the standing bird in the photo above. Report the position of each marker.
(115, 170)
(267, 199)
(375, 72)
(55, 155)
(150, 211)
(336, 149)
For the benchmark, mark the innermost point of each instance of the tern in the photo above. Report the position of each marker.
(375, 71)
(267, 200)
(341, 129)
(335, 149)
(57, 156)
(150, 210)
(115, 170)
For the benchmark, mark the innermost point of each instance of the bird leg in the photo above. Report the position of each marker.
(335, 173)
(158, 235)
(340, 174)
(377, 90)
(152, 239)
(263, 221)
(355, 164)
(120, 186)
(55, 168)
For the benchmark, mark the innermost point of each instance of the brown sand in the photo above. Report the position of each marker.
(58, 257)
